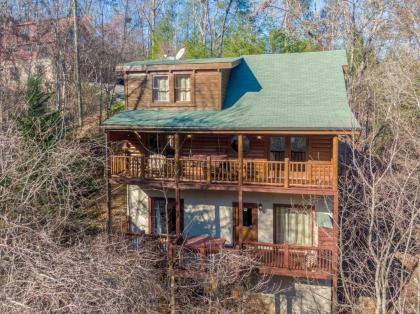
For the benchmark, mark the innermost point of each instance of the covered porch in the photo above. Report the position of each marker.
(272, 160)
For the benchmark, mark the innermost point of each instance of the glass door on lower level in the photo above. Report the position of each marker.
(293, 225)
(161, 207)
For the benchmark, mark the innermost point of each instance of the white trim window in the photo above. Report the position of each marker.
(161, 88)
(183, 88)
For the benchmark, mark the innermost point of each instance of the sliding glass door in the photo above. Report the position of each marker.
(293, 225)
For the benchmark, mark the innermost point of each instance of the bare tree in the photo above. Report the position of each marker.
(77, 63)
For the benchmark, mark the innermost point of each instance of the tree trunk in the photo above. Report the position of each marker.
(77, 64)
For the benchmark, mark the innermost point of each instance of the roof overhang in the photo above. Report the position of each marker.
(261, 131)
(178, 66)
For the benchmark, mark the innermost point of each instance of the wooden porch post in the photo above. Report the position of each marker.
(178, 211)
(177, 190)
(108, 185)
(240, 217)
(286, 172)
(240, 158)
(286, 255)
(240, 181)
(334, 162)
(177, 168)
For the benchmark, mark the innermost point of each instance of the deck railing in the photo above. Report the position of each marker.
(279, 173)
(291, 257)
(298, 260)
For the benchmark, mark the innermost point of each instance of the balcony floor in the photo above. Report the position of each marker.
(185, 185)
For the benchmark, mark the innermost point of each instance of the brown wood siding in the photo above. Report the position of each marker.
(208, 144)
(258, 148)
(207, 90)
(320, 147)
(205, 145)
(326, 237)
(139, 91)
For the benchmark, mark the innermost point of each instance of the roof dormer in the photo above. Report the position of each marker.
(198, 84)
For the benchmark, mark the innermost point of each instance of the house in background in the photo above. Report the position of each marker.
(32, 47)
(246, 152)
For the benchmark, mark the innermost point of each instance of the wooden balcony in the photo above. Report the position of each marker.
(282, 259)
(311, 174)
(275, 259)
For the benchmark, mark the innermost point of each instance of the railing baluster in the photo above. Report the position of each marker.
(287, 173)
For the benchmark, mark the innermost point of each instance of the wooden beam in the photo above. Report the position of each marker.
(240, 158)
(150, 214)
(172, 83)
(178, 211)
(286, 172)
(192, 88)
(240, 217)
(222, 187)
(334, 162)
(177, 155)
(287, 147)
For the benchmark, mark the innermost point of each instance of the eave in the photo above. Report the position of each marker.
(178, 67)
(260, 131)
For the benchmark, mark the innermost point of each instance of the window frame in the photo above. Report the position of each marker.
(152, 213)
(296, 152)
(248, 212)
(277, 206)
(175, 76)
(156, 101)
(271, 151)
(288, 147)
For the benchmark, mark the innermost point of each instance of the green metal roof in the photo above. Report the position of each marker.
(299, 91)
(181, 61)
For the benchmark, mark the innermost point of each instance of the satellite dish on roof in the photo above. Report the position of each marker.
(180, 54)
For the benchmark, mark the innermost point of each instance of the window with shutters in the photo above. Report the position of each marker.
(161, 88)
(183, 88)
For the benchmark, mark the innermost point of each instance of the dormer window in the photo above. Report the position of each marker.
(183, 88)
(161, 88)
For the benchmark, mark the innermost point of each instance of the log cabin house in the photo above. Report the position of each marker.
(245, 150)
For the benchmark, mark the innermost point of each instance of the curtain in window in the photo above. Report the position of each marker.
(183, 88)
(161, 88)
(293, 226)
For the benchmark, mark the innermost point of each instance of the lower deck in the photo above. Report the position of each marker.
(287, 235)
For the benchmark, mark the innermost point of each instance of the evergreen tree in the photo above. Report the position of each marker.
(280, 42)
(243, 41)
(195, 48)
(37, 123)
